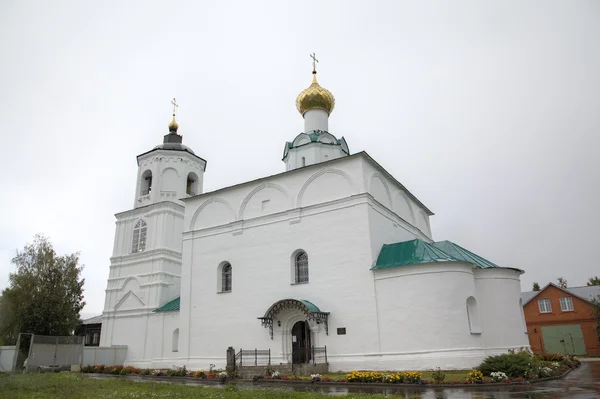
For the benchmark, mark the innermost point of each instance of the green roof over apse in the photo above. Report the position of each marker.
(416, 252)
(412, 252)
(460, 253)
(169, 306)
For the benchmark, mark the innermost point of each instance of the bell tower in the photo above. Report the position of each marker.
(145, 267)
(169, 171)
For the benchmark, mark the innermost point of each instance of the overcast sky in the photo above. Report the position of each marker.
(489, 112)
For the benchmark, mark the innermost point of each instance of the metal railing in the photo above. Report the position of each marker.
(310, 355)
(253, 357)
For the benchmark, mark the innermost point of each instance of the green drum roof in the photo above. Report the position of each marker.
(169, 306)
(416, 252)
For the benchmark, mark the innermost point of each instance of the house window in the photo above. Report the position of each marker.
(566, 304)
(139, 237)
(226, 278)
(303, 161)
(88, 338)
(301, 268)
(545, 306)
(96, 338)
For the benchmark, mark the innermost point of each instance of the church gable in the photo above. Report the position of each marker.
(403, 208)
(326, 185)
(265, 199)
(380, 191)
(213, 212)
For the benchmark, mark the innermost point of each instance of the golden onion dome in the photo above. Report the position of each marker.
(173, 126)
(315, 97)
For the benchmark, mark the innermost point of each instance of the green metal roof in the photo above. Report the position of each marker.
(169, 306)
(460, 253)
(416, 252)
(311, 306)
(412, 252)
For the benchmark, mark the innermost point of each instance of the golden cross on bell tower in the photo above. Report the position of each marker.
(315, 60)
(175, 106)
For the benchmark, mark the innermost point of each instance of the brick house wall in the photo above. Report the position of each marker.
(582, 315)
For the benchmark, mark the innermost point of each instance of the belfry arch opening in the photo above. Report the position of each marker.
(146, 183)
(191, 187)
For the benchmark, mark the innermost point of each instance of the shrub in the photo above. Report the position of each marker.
(438, 375)
(475, 377)
(512, 364)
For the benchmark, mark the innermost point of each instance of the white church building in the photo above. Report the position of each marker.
(333, 252)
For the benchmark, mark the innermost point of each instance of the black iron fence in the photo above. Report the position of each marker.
(310, 354)
(253, 357)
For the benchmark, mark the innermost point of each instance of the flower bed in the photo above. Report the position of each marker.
(179, 372)
(520, 366)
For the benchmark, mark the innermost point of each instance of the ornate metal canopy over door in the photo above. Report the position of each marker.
(311, 311)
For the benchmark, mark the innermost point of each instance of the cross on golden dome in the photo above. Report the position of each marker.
(315, 60)
(315, 96)
(173, 126)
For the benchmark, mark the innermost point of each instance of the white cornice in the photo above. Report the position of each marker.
(295, 215)
(149, 210)
(140, 257)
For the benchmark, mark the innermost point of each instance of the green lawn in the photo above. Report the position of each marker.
(66, 385)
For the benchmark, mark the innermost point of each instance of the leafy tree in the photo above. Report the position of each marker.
(45, 294)
(562, 283)
(596, 309)
(593, 281)
(536, 287)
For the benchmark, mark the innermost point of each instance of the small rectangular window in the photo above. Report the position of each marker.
(341, 331)
(545, 306)
(566, 304)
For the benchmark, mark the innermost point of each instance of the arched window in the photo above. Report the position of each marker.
(176, 340)
(473, 316)
(226, 278)
(139, 237)
(146, 183)
(301, 268)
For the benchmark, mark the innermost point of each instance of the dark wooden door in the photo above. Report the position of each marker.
(300, 343)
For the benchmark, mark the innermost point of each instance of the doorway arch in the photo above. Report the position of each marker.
(301, 342)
